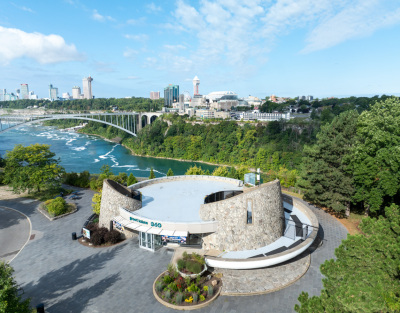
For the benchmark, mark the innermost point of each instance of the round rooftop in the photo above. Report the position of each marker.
(180, 200)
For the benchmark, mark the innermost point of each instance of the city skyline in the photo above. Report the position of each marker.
(287, 48)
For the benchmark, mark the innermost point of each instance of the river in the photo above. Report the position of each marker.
(80, 152)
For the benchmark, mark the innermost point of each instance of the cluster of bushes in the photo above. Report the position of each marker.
(101, 235)
(175, 289)
(191, 263)
(56, 206)
(97, 183)
(77, 179)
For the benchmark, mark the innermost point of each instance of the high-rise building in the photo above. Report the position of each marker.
(87, 87)
(53, 93)
(154, 95)
(171, 95)
(24, 91)
(4, 91)
(76, 92)
(196, 83)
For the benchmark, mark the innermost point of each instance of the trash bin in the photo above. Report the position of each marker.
(74, 236)
(40, 308)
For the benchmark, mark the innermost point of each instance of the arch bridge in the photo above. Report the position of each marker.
(129, 122)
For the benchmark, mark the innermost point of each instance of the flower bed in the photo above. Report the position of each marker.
(191, 265)
(173, 290)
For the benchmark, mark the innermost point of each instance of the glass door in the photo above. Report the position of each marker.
(146, 241)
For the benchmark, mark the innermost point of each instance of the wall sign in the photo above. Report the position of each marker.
(86, 233)
(153, 224)
(118, 225)
(175, 239)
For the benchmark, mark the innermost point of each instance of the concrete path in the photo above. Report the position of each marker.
(15, 230)
(69, 277)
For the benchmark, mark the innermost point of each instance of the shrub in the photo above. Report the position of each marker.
(179, 298)
(96, 238)
(205, 288)
(159, 286)
(210, 291)
(195, 298)
(184, 255)
(173, 286)
(202, 298)
(181, 264)
(112, 237)
(193, 267)
(57, 206)
(193, 288)
(168, 294)
(171, 268)
(187, 281)
(92, 227)
(167, 279)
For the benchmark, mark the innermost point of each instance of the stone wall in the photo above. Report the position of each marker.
(113, 197)
(234, 233)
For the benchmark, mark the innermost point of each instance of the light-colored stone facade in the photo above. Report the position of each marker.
(234, 233)
(113, 197)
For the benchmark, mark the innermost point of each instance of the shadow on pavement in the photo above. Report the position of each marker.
(75, 275)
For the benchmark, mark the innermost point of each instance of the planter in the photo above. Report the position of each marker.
(192, 276)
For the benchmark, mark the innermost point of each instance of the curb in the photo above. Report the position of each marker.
(179, 307)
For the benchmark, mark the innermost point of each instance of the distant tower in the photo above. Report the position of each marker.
(196, 83)
(87, 87)
(76, 92)
(24, 91)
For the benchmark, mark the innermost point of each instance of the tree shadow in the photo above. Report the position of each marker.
(74, 275)
(9, 217)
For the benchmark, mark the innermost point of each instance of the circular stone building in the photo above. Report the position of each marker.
(237, 226)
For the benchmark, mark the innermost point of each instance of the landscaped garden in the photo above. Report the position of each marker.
(189, 284)
(101, 236)
(58, 206)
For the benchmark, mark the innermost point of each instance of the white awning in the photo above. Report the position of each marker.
(180, 233)
(167, 232)
(133, 225)
(154, 230)
(143, 228)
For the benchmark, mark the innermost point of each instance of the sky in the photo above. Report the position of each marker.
(288, 48)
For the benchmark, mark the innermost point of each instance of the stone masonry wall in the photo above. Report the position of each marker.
(112, 200)
(234, 234)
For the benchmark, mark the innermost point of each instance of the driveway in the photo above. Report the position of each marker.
(69, 277)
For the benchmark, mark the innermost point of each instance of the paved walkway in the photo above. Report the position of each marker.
(69, 277)
(14, 233)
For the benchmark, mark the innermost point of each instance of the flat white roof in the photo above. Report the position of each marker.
(179, 201)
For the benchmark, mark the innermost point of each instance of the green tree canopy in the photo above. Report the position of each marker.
(152, 174)
(32, 168)
(9, 299)
(365, 275)
(324, 176)
(376, 159)
(131, 180)
(221, 171)
(170, 173)
(194, 170)
(96, 202)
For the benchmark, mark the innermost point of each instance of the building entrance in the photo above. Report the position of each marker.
(149, 241)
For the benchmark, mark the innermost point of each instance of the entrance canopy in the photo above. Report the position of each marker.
(148, 229)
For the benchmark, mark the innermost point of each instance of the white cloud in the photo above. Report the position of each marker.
(138, 37)
(101, 18)
(175, 47)
(130, 53)
(23, 8)
(138, 21)
(153, 8)
(42, 48)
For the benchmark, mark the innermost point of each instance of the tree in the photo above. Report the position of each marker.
(9, 299)
(106, 171)
(365, 275)
(221, 171)
(375, 162)
(194, 170)
(131, 180)
(96, 202)
(32, 167)
(325, 176)
(170, 173)
(152, 174)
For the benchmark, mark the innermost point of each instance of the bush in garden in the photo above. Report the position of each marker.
(205, 288)
(195, 298)
(167, 279)
(57, 206)
(171, 269)
(193, 267)
(210, 291)
(173, 286)
(184, 255)
(92, 227)
(181, 264)
(97, 238)
(168, 294)
(179, 298)
(112, 237)
(159, 286)
(202, 298)
(193, 288)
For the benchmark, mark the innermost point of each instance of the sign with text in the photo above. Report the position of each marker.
(174, 239)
